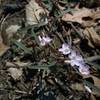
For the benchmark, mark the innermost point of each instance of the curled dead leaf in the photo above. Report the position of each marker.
(92, 36)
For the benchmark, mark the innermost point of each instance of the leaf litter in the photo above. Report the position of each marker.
(49, 50)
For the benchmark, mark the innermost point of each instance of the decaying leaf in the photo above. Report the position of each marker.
(83, 16)
(92, 36)
(33, 12)
(3, 49)
(15, 73)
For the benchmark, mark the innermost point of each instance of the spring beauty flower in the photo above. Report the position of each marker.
(44, 40)
(83, 69)
(75, 59)
(65, 49)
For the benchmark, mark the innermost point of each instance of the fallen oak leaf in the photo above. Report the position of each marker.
(77, 16)
(86, 17)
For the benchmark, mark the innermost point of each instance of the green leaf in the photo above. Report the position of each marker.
(57, 13)
(48, 4)
(93, 61)
(21, 46)
(94, 65)
(93, 58)
(34, 35)
(43, 66)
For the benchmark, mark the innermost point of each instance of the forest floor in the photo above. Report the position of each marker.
(49, 49)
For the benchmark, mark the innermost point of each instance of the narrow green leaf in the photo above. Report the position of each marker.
(93, 61)
(21, 46)
(48, 4)
(34, 35)
(93, 58)
(94, 65)
(43, 66)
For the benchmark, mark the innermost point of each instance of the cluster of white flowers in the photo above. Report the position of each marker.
(75, 58)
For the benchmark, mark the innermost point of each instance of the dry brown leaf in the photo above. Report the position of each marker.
(33, 11)
(77, 16)
(3, 49)
(92, 36)
(80, 15)
(92, 97)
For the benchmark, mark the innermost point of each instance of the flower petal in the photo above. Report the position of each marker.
(84, 70)
(75, 62)
(64, 45)
(44, 40)
(47, 39)
(61, 50)
(65, 49)
(42, 43)
(39, 37)
(72, 55)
